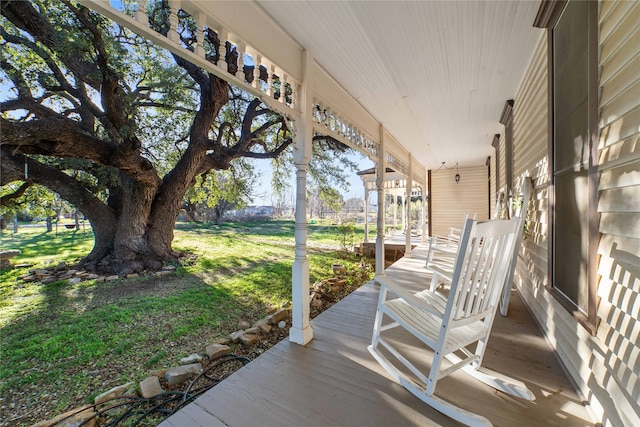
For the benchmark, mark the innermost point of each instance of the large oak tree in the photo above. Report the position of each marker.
(118, 127)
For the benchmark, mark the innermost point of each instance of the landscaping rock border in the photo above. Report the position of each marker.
(62, 271)
(161, 380)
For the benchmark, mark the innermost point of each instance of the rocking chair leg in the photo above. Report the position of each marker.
(378, 321)
(434, 282)
(504, 300)
(449, 409)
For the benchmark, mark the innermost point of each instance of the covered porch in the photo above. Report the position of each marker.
(412, 126)
(411, 97)
(334, 380)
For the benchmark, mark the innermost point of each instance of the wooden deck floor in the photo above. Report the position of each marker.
(334, 381)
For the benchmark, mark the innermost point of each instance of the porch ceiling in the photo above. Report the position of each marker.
(436, 74)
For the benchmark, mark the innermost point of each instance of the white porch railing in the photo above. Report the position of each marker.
(197, 36)
(242, 52)
(328, 121)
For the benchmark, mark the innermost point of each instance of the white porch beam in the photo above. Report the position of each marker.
(301, 331)
(171, 43)
(366, 211)
(329, 92)
(380, 173)
(409, 190)
(246, 20)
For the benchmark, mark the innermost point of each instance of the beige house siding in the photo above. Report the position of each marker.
(450, 201)
(530, 142)
(606, 367)
(616, 349)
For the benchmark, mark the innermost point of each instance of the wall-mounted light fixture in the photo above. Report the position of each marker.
(443, 165)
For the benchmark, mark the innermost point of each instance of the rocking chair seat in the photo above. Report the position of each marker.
(426, 326)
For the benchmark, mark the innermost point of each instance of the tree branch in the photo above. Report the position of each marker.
(269, 154)
(112, 92)
(42, 53)
(87, 109)
(221, 129)
(65, 138)
(8, 199)
(330, 143)
(60, 137)
(69, 189)
(165, 106)
(24, 16)
(249, 115)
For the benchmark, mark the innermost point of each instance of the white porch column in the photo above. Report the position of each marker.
(403, 216)
(366, 210)
(409, 188)
(380, 172)
(301, 331)
(423, 214)
(395, 210)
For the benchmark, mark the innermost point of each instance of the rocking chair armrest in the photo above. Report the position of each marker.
(446, 249)
(442, 242)
(446, 274)
(407, 296)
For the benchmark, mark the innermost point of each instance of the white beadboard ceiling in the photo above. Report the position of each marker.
(436, 74)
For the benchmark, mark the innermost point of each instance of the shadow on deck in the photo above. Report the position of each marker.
(334, 381)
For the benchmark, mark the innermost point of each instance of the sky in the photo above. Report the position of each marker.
(263, 190)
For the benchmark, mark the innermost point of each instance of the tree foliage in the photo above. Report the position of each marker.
(26, 201)
(121, 128)
(221, 191)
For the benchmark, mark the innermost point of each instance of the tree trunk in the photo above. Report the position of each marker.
(133, 230)
(191, 212)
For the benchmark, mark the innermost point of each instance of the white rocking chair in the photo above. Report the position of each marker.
(443, 271)
(442, 249)
(519, 213)
(452, 326)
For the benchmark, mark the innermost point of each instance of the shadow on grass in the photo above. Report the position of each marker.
(284, 228)
(90, 337)
(42, 244)
(76, 328)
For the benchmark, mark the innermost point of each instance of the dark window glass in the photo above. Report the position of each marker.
(571, 153)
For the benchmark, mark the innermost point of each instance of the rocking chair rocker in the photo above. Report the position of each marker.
(452, 326)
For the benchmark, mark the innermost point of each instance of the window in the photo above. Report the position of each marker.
(573, 81)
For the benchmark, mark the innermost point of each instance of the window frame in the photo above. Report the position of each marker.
(548, 16)
(496, 146)
(506, 119)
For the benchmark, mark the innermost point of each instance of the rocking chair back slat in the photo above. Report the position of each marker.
(483, 264)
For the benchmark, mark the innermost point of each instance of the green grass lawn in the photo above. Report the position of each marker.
(62, 344)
